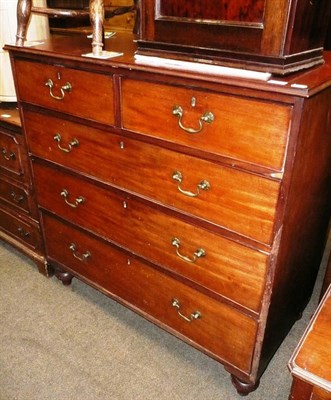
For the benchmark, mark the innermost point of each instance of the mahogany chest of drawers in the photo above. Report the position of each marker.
(199, 201)
(19, 222)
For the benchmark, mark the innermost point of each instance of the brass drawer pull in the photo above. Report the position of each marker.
(80, 257)
(72, 143)
(207, 117)
(16, 198)
(203, 185)
(9, 157)
(65, 88)
(79, 200)
(23, 233)
(195, 314)
(197, 254)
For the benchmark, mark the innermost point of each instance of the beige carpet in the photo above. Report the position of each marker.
(63, 343)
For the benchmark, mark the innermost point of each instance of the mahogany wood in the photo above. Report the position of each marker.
(279, 36)
(310, 363)
(262, 223)
(19, 220)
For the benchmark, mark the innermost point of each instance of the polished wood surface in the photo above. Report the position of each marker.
(235, 132)
(83, 85)
(248, 248)
(9, 116)
(311, 363)
(226, 10)
(278, 36)
(71, 48)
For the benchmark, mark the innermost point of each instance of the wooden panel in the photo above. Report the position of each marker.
(224, 10)
(150, 233)
(243, 129)
(97, 88)
(222, 331)
(311, 360)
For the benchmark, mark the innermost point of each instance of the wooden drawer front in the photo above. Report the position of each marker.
(151, 233)
(14, 195)
(91, 94)
(10, 156)
(239, 201)
(221, 330)
(244, 129)
(19, 229)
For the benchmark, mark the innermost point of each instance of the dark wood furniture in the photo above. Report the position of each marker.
(200, 201)
(311, 362)
(95, 12)
(19, 219)
(327, 277)
(280, 36)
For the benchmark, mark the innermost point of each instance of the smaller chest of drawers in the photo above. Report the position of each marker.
(19, 221)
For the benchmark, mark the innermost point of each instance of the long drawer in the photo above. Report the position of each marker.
(250, 130)
(164, 299)
(239, 201)
(191, 252)
(67, 90)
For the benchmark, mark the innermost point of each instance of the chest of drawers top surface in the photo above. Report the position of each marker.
(71, 48)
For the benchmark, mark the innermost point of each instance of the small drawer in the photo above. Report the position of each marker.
(239, 128)
(239, 201)
(20, 229)
(194, 253)
(220, 330)
(80, 93)
(11, 162)
(14, 195)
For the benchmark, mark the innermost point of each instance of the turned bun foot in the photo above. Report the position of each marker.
(64, 277)
(244, 388)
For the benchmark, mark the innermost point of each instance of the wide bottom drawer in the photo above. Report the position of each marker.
(214, 327)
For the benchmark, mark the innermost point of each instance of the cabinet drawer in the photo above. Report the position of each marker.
(20, 229)
(236, 200)
(14, 195)
(221, 330)
(90, 96)
(243, 129)
(10, 156)
(194, 253)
